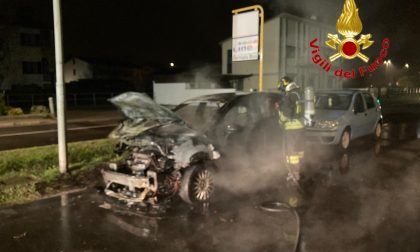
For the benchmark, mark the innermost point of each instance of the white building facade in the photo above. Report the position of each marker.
(286, 53)
(76, 69)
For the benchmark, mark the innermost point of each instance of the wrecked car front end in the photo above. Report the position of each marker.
(160, 156)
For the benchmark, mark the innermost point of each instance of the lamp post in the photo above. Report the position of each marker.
(387, 65)
(60, 89)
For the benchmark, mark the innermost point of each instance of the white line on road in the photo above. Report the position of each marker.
(55, 130)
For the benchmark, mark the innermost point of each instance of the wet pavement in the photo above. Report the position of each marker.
(366, 199)
(83, 222)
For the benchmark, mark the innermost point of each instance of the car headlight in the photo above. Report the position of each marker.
(326, 124)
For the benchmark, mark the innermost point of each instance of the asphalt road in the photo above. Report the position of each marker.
(38, 135)
(366, 199)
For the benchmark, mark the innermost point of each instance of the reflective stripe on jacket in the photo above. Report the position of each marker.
(290, 124)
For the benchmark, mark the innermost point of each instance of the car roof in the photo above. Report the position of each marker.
(222, 97)
(341, 91)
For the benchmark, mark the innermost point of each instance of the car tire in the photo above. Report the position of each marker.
(197, 184)
(345, 140)
(378, 131)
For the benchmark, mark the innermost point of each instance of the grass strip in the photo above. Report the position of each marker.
(30, 173)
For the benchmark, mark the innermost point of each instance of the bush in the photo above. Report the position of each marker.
(39, 109)
(15, 111)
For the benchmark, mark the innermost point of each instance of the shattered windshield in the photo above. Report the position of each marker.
(333, 101)
(198, 114)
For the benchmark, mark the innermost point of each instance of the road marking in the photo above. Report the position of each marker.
(54, 130)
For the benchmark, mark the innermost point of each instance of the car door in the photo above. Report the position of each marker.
(372, 114)
(359, 118)
(266, 133)
(233, 123)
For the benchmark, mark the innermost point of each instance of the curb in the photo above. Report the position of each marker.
(21, 124)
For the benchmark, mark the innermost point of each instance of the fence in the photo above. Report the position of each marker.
(101, 98)
(394, 92)
(72, 99)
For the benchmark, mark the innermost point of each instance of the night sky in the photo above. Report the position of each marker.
(188, 32)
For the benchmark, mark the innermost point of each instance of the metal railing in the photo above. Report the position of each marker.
(27, 100)
(393, 92)
(72, 99)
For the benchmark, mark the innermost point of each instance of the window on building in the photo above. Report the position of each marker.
(291, 32)
(30, 39)
(45, 66)
(45, 38)
(330, 83)
(229, 62)
(290, 52)
(31, 67)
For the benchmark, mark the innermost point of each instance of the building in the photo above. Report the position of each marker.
(77, 69)
(26, 56)
(286, 53)
(176, 93)
(177, 85)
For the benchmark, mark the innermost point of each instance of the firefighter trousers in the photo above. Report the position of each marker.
(294, 146)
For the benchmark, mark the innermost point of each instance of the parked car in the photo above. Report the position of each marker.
(342, 116)
(161, 156)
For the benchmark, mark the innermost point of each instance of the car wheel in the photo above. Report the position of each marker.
(345, 140)
(378, 131)
(197, 183)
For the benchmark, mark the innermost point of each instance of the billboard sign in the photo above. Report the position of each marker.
(245, 36)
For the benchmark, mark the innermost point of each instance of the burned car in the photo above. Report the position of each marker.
(161, 156)
(247, 120)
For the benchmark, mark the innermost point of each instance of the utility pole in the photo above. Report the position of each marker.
(60, 89)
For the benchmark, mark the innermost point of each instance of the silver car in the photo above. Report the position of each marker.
(341, 116)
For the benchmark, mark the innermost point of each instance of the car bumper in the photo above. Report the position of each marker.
(146, 184)
(330, 137)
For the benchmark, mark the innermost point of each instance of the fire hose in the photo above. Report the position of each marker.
(278, 207)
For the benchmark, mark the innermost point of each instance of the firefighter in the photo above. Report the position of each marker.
(291, 121)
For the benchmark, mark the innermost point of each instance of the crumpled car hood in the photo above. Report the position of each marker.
(139, 106)
(148, 120)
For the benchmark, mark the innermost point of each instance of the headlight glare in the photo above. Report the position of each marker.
(326, 124)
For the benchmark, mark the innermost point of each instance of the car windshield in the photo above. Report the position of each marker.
(198, 114)
(333, 101)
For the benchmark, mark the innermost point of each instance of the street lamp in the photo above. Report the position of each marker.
(407, 65)
(387, 64)
(172, 64)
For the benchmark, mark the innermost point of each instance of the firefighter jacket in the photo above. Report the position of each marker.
(290, 115)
